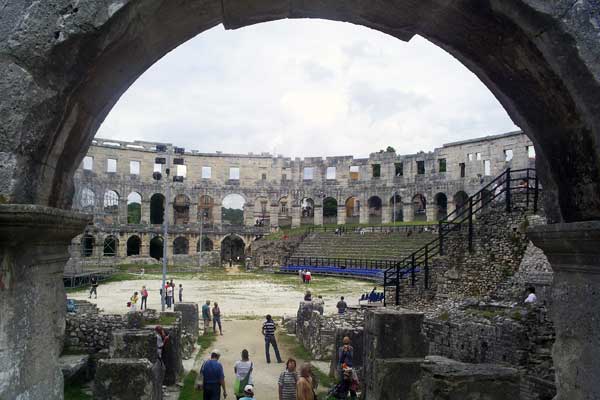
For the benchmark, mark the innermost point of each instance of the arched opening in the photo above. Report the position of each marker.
(261, 212)
(307, 211)
(157, 209)
(134, 244)
(375, 209)
(232, 248)
(232, 210)
(134, 208)
(181, 245)
(441, 204)
(460, 202)
(87, 200)
(207, 244)
(284, 218)
(87, 245)
(352, 210)
(396, 208)
(111, 247)
(205, 209)
(486, 198)
(181, 209)
(419, 207)
(330, 207)
(111, 207)
(156, 247)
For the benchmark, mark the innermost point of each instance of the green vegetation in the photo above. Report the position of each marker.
(205, 341)
(233, 216)
(188, 391)
(76, 392)
(134, 213)
(444, 316)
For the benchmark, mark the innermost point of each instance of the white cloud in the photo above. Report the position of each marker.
(306, 88)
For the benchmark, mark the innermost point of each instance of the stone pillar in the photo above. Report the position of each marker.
(408, 213)
(133, 343)
(386, 214)
(193, 213)
(126, 378)
(318, 220)
(364, 213)
(574, 253)
(216, 214)
(274, 215)
(145, 248)
(190, 321)
(394, 349)
(145, 217)
(431, 212)
(122, 247)
(296, 216)
(122, 210)
(451, 207)
(34, 244)
(341, 215)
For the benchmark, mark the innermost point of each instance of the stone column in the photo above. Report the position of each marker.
(431, 212)
(386, 214)
(34, 244)
(574, 253)
(193, 213)
(122, 247)
(341, 215)
(364, 213)
(122, 219)
(274, 215)
(408, 213)
(145, 246)
(295, 216)
(318, 220)
(216, 214)
(451, 207)
(145, 218)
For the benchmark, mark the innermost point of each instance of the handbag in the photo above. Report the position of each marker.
(239, 385)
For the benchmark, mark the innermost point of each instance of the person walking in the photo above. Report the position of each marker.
(243, 374)
(206, 316)
(288, 380)
(248, 393)
(133, 302)
(211, 378)
(94, 287)
(172, 293)
(180, 293)
(144, 298)
(304, 387)
(268, 331)
(169, 295)
(216, 315)
(341, 306)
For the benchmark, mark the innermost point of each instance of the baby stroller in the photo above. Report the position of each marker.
(347, 386)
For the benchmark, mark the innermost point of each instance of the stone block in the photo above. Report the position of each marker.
(133, 343)
(392, 378)
(446, 379)
(75, 368)
(395, 334)
(172, 355)
(127, 379)
(135, 320)
(190, 319)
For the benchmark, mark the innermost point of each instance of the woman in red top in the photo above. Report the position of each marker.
(144, 298)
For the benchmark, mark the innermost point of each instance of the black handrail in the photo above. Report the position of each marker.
(500, 185)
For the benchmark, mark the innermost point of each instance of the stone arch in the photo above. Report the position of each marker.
(330, 210)
(206, 243)
(111, 246)
(375, 209)
(461, 201)
(396, 208)
(232, 209)
(181, 245)
(232, 247)
(181, 209)
(134, 208)
(307, 211)
(441, 204)
(157, 208)
(134, 245)
(87, 200)
(156, 247)
(206, 204)
(352, 210)
(87, 245)
(419, 207)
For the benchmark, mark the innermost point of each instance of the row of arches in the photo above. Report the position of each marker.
(233, 208)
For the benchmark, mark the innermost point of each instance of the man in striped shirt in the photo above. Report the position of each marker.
(268, 331)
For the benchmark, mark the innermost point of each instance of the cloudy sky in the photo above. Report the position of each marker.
(306, 88)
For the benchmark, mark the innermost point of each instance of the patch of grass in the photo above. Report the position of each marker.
(517, 316)
(487, 314)
(444, 316)
(167, 319)
(206, 341)
(188, 391)
(296, 348)
(75, 392)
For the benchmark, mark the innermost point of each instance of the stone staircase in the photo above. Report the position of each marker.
(371, 245)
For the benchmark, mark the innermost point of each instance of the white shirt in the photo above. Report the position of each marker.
(169, 291)
(242, 368)
(532, 298)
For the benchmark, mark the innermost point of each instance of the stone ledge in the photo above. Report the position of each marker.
(31, 223)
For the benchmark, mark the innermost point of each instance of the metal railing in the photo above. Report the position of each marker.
(502, 187)
(339, 262)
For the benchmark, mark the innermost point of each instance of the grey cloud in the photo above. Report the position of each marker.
(383, 103)
(317, 72)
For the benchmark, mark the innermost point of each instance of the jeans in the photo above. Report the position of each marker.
(93, 291)
(217, 320)
(212, 391)
(271, 340)
(144, 302)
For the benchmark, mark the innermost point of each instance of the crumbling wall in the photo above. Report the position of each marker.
(271, 253)
(90, 332)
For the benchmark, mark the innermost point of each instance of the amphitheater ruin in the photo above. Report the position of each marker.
(64, 65)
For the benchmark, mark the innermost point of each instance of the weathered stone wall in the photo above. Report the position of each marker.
(271, 253)
(91, 332)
